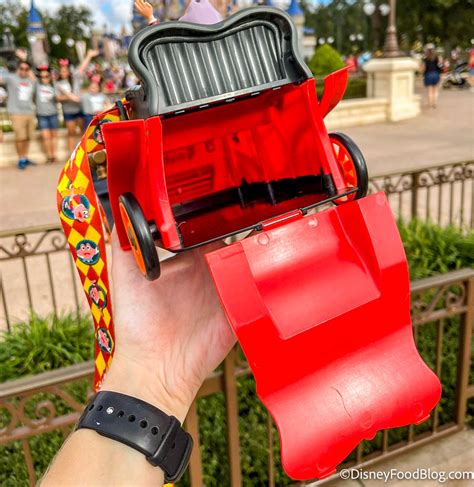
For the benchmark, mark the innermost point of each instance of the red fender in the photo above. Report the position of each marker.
(335, 85)
(320, 305)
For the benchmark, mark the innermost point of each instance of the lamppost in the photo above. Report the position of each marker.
(393, 75)
(370, 8)
(390, 48)
(338, 20)
(356, 37)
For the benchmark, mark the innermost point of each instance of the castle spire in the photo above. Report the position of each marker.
(35, 23)
(36, 36)
(294, 9)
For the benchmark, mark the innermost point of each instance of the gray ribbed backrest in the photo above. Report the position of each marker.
(188, 71)
(184, 65)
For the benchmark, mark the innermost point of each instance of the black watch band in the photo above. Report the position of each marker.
(141, 426)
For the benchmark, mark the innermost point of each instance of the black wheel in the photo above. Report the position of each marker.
(139, 236)
(352, 164)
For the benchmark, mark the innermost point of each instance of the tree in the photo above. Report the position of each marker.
(68, 22)
(446, 22)
(341, 18)
(15, 18)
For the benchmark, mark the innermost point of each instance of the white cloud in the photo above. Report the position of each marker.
(122, 10)
(114, 13)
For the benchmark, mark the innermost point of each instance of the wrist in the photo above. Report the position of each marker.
(134, 379)
(151, 20)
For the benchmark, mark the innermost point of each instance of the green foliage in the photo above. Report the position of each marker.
(14, 17)
(325, 60)
(356, 88)
(339, 19)
(432, 249)
(445, 22)
(43, 344)
(70, 21)
(36, 346)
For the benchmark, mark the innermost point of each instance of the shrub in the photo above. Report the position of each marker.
(325, 60)
(32, 347)
(432, 249)
(43, 344)
(356, 88)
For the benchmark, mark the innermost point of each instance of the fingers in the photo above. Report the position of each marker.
(140, 4)
(123, 262)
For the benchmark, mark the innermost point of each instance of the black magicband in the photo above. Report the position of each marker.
(141, 426)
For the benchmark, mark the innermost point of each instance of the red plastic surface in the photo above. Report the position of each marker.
(276, 135)
(335, 85)
(320, 305)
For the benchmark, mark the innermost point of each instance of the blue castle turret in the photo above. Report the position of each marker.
(294, 9)
(36, 36)
(35, 23)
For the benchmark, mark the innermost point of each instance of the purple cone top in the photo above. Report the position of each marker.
(201, 12)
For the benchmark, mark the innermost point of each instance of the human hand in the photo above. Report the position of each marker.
(21, 54)
(145, 9)
(170, 333)
(92, 53)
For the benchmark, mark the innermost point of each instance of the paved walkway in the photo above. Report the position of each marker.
(454, 453)
(437, 136)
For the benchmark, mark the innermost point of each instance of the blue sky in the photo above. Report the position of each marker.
(113, 12)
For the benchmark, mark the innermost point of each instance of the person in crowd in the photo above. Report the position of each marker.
(20, 106)
(68, 89)
(351, 63)
(432, 74)
(47, 112)
(109, 85)
(93, 101)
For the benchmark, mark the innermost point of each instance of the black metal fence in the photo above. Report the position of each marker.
(443, 194)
